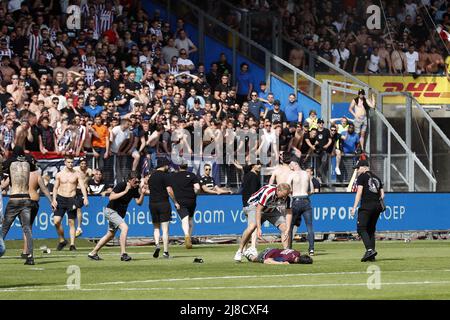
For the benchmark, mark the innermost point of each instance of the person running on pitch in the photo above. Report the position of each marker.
(279, 256)
(301, 205)
(64, 200)
(265, 204)
(185, 187)
(115, 212)
(160, 209)
(371, 194)
(19, 167)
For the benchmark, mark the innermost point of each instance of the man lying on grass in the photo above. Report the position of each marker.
(278, 256)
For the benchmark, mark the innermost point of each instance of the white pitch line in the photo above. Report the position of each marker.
(234, 287)
(219, 278)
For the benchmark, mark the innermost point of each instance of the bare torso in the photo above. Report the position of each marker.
(19, 177)
(21, 136)
(282, 174)
(360, 111)
(68, 182)
(34, 185)
(85, 175)
(300, 183)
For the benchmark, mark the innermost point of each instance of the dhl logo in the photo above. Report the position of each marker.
(417, 89)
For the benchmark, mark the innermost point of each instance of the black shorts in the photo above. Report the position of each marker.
(79, 199)
(160, 211)
(187, 208)
(34, 210)
(66, 205)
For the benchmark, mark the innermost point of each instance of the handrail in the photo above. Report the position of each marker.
(405, 147)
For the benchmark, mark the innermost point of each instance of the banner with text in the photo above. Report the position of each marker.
(222, 215)
(426, 89)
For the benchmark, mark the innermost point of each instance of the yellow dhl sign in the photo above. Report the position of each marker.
(426, 89)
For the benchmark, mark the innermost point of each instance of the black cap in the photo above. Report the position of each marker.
(320, 121)
(162, 162)
(361, 91)
(361, 163)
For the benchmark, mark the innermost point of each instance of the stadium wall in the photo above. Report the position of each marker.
(222, 215)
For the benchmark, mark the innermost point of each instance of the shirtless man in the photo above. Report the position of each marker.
(297, 58)
(19, 204)
(23, 133)
(359, 108)
(300, 183)
(86, 174)
(36, 183)
(64, 192)
(282, 172)
(296, 142)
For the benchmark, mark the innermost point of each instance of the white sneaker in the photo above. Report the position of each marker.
(238, 256)
(338, 171)
(250, 252)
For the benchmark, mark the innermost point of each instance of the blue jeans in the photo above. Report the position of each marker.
(2, 243)
(302, 207)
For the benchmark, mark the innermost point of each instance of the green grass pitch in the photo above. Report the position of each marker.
(415, 270)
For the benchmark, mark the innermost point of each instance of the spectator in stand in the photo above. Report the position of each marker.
(255, 106)
(208, 185)
(293, 110)
(244, 83)
(412, 59)
(350, 140)
(277, 115)
(183, 42)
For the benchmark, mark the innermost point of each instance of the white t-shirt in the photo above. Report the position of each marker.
(185, 62)
(411, 9)
(183, 44)
(374, 63)
(411, 59)
(119, 137)
(341, 54)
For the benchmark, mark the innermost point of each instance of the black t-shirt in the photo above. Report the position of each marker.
(305, 147)
(207, 181)
(371, 189)
(158, 183)
(322, 137)
(250, 184)
(183, 186)
(362, 60)
(334, 139)
(96, 187)
(120, 205)
(273, 116)
(33, 146)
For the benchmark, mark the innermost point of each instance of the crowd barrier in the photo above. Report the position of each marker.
(222, 215)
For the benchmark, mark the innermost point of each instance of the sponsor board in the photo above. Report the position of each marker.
(223, 215)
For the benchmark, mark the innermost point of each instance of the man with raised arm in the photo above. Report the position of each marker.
(115, 212)
(64, 200)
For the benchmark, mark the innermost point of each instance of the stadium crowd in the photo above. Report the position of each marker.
(123, 91)
(407, 42)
